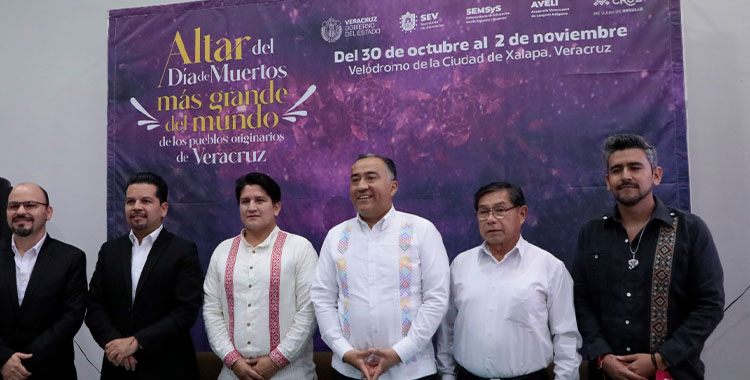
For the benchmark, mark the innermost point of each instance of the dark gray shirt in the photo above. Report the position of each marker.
(613, 303)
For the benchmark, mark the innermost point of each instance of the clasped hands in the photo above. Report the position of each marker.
(258, 368)
(373, 362)
(120, 352)
(631, 367)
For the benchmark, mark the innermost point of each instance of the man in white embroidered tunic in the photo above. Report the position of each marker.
(257, 308)
(511, 312)
(382, 283)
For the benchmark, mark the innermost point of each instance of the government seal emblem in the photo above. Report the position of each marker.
(331, 30)
(408, 21)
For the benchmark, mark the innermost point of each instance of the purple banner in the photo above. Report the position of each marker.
(458, 93)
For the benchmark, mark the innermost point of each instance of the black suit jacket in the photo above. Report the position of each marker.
(52, 311)
(168, 296)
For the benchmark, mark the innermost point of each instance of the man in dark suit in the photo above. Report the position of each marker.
(146, 292)
(42, 292)
(5, 189)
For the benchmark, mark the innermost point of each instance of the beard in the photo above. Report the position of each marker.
(631, 200)
(22, 231)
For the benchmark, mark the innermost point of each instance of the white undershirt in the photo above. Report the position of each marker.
(25, 265)
(139, 256)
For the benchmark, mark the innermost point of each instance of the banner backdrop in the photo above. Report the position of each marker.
(458, 93)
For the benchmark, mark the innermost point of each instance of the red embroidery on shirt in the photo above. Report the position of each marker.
(273, 291)
(231, 358)
(279, 358)
(229, 283)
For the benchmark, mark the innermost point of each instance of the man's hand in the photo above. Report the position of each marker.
(618, 369)
(639, 363)
(117, 349)
(358, 360)
(129, 363)
(265, 366)
(245, 371)
(13, 369)
(381, 360)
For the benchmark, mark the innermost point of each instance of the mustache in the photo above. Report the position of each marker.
(625, 184)
(137, 213)
(23, 217)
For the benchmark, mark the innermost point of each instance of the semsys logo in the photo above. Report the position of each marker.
(488, 10)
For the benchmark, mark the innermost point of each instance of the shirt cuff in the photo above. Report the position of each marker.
(279, 358)
(232, 357)
(405, 349)
(341, 346)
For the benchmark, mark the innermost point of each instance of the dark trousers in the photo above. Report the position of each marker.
(338, 376)
(463, 374)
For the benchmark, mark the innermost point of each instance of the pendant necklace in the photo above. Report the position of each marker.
(633, 262)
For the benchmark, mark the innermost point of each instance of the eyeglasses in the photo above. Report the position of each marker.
(27, 205)
(484, 213)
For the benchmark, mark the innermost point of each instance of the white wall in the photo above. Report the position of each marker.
(53, 118)
(717, 52)
(53, 100)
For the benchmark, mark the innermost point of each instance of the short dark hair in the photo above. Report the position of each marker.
(162, 191)
(260, 179)
(624, 141)
(514, 192)
(389, 164)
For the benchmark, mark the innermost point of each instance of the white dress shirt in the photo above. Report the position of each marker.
(385, 287)
(25, 265)
(139, 256)
(509, 318)
(252, 302)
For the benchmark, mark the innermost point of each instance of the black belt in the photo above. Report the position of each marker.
(464, 374)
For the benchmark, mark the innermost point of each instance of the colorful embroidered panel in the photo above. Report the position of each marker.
(404, 276)
(660, 281)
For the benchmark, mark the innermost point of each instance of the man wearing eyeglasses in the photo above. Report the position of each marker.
(511, 308)
(42, 292)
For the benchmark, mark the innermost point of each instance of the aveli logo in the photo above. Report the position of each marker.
(331, 30)
(408, 21)
(601, 2)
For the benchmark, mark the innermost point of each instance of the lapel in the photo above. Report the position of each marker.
(125, 258)
(43, 260)
(8, 273)
(157, 250)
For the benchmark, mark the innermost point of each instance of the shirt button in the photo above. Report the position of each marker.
(628, 294)
(248, 305)
(627, 321)
(248, 342)
(627, 240)
(627, 349)
(251, 267)
(248, 324)
(249, 286)
(253, 251)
